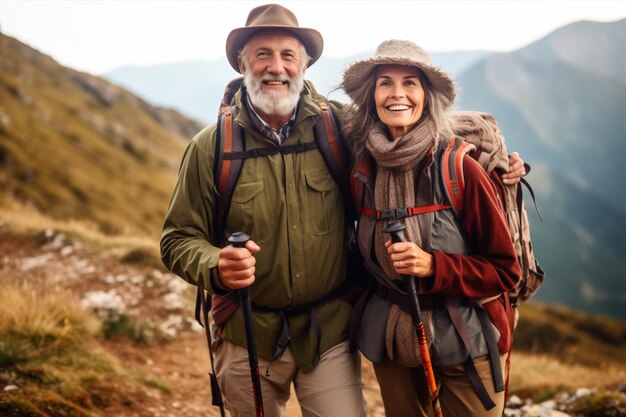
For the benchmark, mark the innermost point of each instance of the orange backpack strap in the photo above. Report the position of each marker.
(227, 146)
(335, 146)
(229, 140)
(452, 172)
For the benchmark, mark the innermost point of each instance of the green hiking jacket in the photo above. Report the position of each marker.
(291, 207)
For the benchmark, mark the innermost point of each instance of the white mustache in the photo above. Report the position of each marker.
(282, 78)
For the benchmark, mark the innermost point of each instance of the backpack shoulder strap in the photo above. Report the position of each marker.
(229, 139)
(452, 172)
(362, 173)
(331, 145)
(333, 141)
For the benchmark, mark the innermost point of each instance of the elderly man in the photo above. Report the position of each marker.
(293, 211)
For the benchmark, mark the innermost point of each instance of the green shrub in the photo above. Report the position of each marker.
(16, 407)
(600, 404)
(143, 256)
(13, 352)
(122, 325)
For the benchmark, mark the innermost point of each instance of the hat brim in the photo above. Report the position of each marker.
(311, 39)
(357, 74)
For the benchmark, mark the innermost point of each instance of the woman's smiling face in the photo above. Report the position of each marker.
(399, 97)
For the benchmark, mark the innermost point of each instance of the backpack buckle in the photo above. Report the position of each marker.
(402, 213)
(397, 213)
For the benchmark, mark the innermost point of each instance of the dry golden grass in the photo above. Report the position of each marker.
(51, 316)
(535, 375)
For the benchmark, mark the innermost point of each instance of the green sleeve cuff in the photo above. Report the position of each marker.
(216, 284)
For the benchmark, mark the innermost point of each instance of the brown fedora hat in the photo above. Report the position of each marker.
(272, 16)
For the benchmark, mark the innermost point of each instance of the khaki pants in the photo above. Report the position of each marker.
(405, 393)
(332, 389)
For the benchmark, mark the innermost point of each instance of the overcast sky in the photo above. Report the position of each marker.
(99, 36)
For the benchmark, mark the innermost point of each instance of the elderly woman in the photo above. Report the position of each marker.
(399, 126)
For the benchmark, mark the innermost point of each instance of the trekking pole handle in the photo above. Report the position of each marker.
(396, 230)
(238, 240)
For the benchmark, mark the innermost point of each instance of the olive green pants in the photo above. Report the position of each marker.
(332, 389)
(405, 393)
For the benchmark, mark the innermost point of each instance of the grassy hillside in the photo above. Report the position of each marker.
(75, 146)
(571, 335)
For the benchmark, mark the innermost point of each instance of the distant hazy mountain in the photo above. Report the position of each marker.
(76, 146)
(195, 87)
(561, 102)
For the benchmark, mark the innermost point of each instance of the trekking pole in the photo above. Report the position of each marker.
(238, 240)
(396, 230)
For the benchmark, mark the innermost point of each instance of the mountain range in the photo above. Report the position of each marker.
(79, 146)
(561, 103)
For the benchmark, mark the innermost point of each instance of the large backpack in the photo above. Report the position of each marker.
(483, 141)
(481, 130)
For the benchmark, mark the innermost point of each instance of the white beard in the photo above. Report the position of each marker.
(274, 102)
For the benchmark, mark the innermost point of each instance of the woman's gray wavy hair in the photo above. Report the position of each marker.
(361, 114)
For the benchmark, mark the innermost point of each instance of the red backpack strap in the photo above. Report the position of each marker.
(452, 172)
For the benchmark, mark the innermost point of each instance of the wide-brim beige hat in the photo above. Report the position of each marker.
(398, 52)
(267, 17)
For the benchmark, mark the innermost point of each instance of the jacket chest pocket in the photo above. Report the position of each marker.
(324, 202)
(249, 212)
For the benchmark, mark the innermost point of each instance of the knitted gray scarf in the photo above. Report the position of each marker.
(395, 183)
